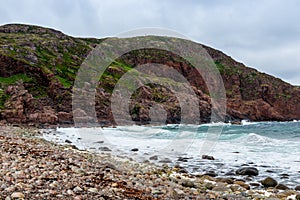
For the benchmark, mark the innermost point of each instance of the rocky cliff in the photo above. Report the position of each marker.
(38, 67)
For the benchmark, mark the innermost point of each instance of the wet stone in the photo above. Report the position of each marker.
(269, 182)
(135, 149)
(153, 158)
(104, 149)
(250, 171)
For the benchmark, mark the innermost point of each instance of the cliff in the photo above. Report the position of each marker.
(38, 68)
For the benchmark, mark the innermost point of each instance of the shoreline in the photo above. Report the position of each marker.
(33, 168)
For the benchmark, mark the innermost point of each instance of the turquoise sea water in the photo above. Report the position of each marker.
(272, 147)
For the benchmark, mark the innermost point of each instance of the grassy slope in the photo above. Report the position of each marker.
(59, 56)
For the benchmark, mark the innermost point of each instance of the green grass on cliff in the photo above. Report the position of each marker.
(3, 98)
(13, 79)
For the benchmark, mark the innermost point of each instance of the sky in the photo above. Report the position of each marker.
(263, 34)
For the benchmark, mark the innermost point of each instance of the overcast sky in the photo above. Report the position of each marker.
(263, 34)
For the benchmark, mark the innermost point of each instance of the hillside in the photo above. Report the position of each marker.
(38, 67)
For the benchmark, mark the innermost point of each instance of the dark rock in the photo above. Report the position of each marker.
(183, 171)
(68, 141)
(297, 188)
(104, 149)
(270, 171)
(230, 173)
(298, 197)
(211, 173)
(269, 182)
(182, 159)
(135, 149)
(207, 157)
(250, 171)
(99, 142)
(153, 158)
(282, 187)
(165, 160)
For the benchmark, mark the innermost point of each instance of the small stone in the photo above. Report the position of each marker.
(77, 198)
(225, 180)
(114, 185)
(188, 183)
(156, 192)
(183, 171)
(209, 185)
(77, 189)
(99, 142)
(222, 189)
(297, 188)
(17, 195)
(104, 149)
(211, 173)
(297, 197)
(269, 182)
(93, 190)
(70, 192)
(182, 159)
(179, 192)
(135, 149)
(110, 166)
(68, 141)
(165, 160)
(242, 184)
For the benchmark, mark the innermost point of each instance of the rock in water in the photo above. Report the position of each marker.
(269, 182)
(207, 157)
(135, 149)
(250, 171)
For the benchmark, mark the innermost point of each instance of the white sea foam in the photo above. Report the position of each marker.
(237, 145)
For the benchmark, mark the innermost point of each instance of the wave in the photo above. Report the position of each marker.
(253, 138)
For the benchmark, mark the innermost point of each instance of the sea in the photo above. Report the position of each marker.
(272, 147)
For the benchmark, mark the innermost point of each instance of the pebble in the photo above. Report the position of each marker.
(77, 189)
(242, 184)
(114, 184)
(50, 171)
(93, 190)
(18, 195)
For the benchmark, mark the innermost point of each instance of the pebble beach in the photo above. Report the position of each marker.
(33, 168)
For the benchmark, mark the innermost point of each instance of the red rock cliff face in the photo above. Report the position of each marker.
(44, 93)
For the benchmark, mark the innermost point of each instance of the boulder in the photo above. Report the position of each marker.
(269, 182)
(250, 171)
